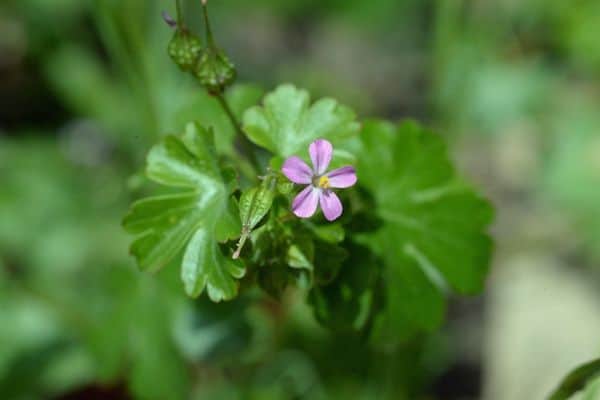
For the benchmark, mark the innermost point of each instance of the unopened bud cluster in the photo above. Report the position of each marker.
(214, 70)
(209, 64)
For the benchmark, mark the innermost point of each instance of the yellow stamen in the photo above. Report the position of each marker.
(324, 182)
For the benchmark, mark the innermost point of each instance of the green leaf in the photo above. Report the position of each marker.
(287, 123)
(284, 187)
(328, 261)
(330, 233)
(592, 390)
(300, 254)
(414, 301)
(282, 255)
(348, 302)
(228, 227)
(274, 280)
(195, 219)
(433, 237)
(576, 380)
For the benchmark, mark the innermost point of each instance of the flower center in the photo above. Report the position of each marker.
(323, 182)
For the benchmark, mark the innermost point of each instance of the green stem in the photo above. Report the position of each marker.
(247, 146)
(241, 242)
(209, 36)
(179, 13)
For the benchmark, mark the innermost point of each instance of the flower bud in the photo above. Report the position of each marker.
(185, 49)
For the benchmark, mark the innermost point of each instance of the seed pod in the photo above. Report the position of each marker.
(214, 70)
(185, 49)
(255, 203)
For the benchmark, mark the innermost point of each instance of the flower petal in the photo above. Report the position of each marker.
(331, 205)
(342, 177)
(297, 171)
(305, 203)
(320, 153)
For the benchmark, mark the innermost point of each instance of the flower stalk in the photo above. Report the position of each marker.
(211, 67)
(207, 28)
(179, 13)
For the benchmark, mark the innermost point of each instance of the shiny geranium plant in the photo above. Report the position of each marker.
(411, 232)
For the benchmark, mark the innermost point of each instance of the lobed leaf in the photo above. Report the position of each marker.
(433, 238)
(287, 123)
(194, 219)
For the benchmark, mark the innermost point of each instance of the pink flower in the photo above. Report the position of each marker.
(319, 182)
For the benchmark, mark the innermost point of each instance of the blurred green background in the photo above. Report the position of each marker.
(86, 88)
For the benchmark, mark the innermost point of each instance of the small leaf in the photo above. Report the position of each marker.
(328, 261)
(193, 219)
(262, 244)
(281, 255)
(288, 123)
(576, 380)
(301, 253)
(284, 186)
(274, 280)
(330, 233)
